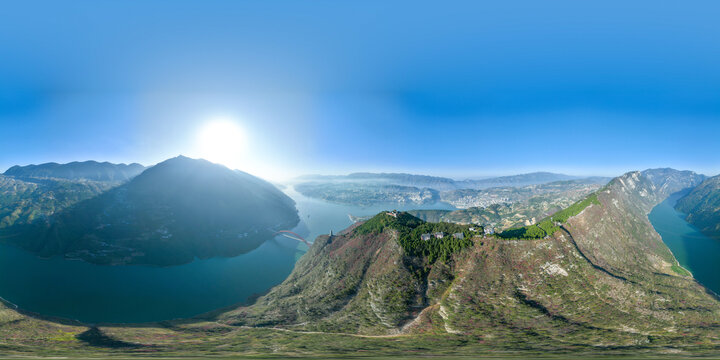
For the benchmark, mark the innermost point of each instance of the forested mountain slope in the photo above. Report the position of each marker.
(702, 206)
(85, 170)
(170, 214)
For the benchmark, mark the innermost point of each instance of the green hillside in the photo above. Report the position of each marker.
(702, 206)
(172, 213)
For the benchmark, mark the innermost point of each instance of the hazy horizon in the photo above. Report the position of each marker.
(429, 173)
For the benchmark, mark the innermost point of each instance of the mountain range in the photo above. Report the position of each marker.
(365, 189)
(86, 170)
(169, 214)
(443, 183)
(598, 278)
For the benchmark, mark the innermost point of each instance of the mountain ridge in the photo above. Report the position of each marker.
(172, 212)
(78, 170)
(445, 183)
(569, 293)
(498, 285)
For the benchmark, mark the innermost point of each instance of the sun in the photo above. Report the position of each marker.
(222, 141)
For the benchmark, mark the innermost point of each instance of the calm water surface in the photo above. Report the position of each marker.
(122, 294)
(696, 252)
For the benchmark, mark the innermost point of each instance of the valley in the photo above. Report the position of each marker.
(696, 252)
(602, 281)
(365, 189)
(357, 180)
(140, 293)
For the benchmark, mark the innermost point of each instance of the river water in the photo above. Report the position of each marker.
(695, 251)
(129, 294)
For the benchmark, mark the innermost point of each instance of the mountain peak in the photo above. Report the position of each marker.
(188, 161)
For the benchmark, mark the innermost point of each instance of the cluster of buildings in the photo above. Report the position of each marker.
(487, 230)
(481, 199)
(440, 235)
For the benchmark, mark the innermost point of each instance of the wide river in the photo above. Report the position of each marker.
(130, 294)
(695, 251)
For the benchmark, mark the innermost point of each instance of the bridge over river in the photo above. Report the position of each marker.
(292, 235)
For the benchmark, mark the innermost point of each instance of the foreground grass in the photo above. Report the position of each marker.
(34, 338)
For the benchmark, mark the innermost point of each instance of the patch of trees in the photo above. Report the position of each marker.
(549, 225)
(410, 230)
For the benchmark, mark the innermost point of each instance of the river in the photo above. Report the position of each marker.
(134, 293)
(694, 250)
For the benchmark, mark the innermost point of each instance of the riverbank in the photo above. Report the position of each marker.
(695, 251)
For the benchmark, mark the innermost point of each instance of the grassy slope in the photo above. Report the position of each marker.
(549, 225)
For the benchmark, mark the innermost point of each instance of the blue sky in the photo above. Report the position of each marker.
(447, 88)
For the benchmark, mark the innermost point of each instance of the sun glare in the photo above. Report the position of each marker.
(222, 141)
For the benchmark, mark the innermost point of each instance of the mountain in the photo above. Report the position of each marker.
(87, 170)
(31, 194)
(599, 277)
(515, 180)
(602, 283)
(171, 213)
(446, 184)
(434, 182)
(702, 206)
(35, 200)
(380, 179)
(668, 181)
(363, 189)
